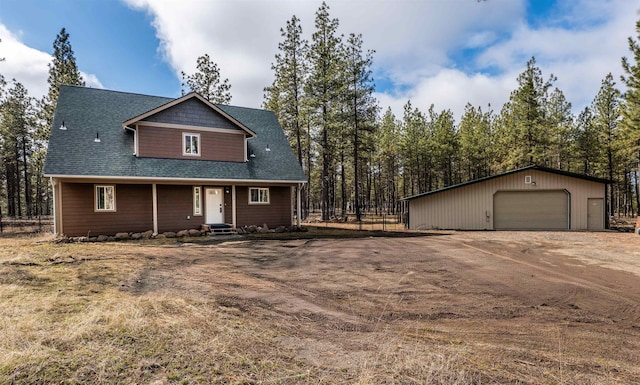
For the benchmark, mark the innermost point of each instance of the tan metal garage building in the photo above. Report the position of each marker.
(530, 198)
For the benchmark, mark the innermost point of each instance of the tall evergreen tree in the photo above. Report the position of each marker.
(291, 71)
(416, 158)
(446, 148)
(362, 107)
(606, 108)
(17, 117)
(285, 96)
(62, 70)
(323, 88)
(387, 160)
(587, 149)
(526, 111)
(207, 82)
(475, 143)
(559, 122)
(630, 123)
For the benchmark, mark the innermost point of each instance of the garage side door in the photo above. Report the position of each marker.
(531, 210)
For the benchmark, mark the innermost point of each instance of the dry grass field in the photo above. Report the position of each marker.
(339, 307)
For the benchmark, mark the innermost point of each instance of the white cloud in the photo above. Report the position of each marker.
(91, 80)
(421, 46)
(29, 66)
(579, 57)
(452, 89)
(25, 64)
(412, 39)
(417, 43)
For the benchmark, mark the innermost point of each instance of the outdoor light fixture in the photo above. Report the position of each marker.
(97, 139)
(267, 149)
(63, 127)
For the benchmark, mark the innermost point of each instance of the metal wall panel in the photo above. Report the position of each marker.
(470, 207)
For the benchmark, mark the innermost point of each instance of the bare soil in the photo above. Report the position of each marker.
(539, 305)
(443, 308)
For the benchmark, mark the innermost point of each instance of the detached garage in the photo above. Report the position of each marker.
(530, 198)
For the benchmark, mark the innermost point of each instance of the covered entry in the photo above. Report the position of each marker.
(539, 209)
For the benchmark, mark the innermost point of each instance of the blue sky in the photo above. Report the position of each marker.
(445, 52)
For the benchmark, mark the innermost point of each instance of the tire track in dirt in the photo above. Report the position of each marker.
(568, 278)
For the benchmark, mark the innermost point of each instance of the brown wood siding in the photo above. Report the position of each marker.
(134, 210)
(228, 206)
(161, 142)
(276, 213)
(175, 208)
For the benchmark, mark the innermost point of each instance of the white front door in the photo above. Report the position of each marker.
(214, 205)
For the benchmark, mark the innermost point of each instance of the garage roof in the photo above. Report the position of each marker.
(532, 167)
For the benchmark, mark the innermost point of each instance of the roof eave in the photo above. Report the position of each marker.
(170, 179)
(531, 167)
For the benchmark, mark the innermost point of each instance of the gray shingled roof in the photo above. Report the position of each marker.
(87, 111)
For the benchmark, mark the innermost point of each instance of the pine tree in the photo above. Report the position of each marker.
(416, 158)
(475, 143)
(17, 117)
(387, 160)
(206, 81)
(362, 107)
(606, 108)
(559, 124)
(291, 71)
(446, 148)
(62, 70)
(322, 88)
(630, 123)
(526, 111)
(285, 96)
(587, 146)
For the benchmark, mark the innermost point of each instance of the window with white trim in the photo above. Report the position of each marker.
(259, 195)
(197, 201)
(190, 144)
(105, 198)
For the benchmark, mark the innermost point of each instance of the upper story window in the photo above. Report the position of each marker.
(105, 198)
(259, 195)
(190, 144)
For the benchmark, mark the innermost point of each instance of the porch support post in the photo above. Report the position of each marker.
(298, 204)
(56, 211)
(154, 194)
(233, 206)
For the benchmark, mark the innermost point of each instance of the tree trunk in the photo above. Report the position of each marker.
(637, 174)
(343, 186)
(27, 182)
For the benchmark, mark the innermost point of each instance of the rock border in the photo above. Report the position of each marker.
(123, 236)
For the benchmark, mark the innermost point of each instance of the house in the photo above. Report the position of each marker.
(124, 162)
(528, 198)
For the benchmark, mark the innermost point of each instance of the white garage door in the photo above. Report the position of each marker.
(525, 210)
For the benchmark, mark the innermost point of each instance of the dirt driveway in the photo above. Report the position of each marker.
(454, 308)
(502, 307)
